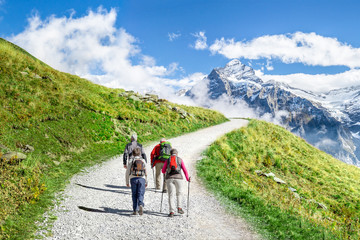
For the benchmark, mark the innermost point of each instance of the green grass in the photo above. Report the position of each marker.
(229, 170)
(72, 123)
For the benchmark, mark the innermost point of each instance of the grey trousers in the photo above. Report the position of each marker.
(174, 186)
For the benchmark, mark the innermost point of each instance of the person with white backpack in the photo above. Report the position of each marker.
(136, 175)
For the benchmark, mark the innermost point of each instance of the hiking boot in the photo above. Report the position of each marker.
(180, 210)
(134, 213)
(171, 214)
(141, 210)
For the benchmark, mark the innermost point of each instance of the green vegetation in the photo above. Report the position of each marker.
(71, 123)
(233, 168)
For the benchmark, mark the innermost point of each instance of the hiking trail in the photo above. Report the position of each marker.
(96, 204)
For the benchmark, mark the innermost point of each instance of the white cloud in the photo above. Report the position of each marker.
(200, 43)
(186, 82)
(173, 36)
(307, 48)
(316, 82)
(92, 47)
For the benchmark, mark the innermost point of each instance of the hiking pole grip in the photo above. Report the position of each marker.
(188, 200)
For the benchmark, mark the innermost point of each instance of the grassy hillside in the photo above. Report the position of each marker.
(70, 123)
(325, 205)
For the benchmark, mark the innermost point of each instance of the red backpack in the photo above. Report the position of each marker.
(174, 165)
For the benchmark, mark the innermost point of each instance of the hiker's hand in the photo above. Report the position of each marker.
(125, 166)
(146, 185)
(128, 185)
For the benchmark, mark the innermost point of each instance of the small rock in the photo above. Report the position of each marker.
(292, 189)
(278, 180)
(320, 205)
(135, 98)
(24, 73)
(270, 174)
(13, 155)
(37, 76)
(27, 148)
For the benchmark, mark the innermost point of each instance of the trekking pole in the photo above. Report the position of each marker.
(188, 200)
(162, 194)
(154, 178)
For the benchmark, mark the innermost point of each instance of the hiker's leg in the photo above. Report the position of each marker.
(134, 193)
(141, 191)
(179, 188)
(171, 190)
(158, 168)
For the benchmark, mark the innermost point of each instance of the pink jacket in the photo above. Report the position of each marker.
(182, 167)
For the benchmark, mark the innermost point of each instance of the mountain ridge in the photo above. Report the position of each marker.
(321, 118)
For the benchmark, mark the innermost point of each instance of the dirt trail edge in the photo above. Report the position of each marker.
(97, 204)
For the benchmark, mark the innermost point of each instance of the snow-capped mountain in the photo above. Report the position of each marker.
(329, 121)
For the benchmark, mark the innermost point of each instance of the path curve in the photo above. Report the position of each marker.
(97, 205)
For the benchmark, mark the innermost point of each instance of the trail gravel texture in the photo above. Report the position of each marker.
(97, 204)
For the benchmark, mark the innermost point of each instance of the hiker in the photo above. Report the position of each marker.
(158, 156)
(174, 180)
(137, 176)
(129, 149)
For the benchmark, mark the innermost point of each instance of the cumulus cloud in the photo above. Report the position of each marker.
(316, 82)
(306, 48)
(173, 36)
(200, 43)
(92, 47)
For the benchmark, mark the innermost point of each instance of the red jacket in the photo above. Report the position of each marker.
(154, 155)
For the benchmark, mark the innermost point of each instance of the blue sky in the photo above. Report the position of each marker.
(172, 44)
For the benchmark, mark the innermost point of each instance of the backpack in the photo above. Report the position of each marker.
(174, 165)
(138, 167)
(165, 148)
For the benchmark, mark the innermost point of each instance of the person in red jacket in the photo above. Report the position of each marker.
(158, 156)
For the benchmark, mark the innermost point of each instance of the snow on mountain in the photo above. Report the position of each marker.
(329, 121)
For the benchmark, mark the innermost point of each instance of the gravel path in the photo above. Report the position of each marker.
(97, 204)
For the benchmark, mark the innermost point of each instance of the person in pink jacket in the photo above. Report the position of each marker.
(174, 180)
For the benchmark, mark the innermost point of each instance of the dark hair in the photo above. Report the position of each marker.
(173, 151)
(136, 152)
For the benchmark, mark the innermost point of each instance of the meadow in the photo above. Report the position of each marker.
(319, 197)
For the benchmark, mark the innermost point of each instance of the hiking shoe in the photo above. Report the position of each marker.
(141, 210)
(180, 211)
(171, 214)
(134, 213)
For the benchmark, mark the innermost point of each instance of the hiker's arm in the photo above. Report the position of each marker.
(185, 171)
(163, 170)
(153, 156)
(127, 176)
(125, 156)
(143, 155)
